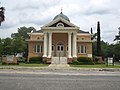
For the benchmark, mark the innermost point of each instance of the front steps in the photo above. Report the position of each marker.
(57, 62)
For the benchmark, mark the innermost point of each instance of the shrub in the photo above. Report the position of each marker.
(83, 61)
(20, 59)
(35, 60)
(3, 63)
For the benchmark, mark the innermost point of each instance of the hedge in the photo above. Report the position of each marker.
(35, 60)
(83, 61)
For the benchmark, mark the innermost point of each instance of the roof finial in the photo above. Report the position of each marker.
(61, 10)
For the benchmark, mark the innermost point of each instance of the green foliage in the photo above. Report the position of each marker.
(1, 47)
(7, 46)
(3, 63)
(17, 43)
(22, 32)
(83, 61)
(108, 50)
(35, 60)
(2, 16)
(98, 40)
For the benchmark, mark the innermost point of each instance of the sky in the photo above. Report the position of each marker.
(83, 13)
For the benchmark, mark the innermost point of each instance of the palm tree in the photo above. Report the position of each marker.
(2, 17)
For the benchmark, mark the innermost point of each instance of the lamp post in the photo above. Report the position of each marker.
(2, 17)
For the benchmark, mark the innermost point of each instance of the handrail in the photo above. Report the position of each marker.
(59, 57)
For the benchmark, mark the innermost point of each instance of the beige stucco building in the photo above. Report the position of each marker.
(60, 38)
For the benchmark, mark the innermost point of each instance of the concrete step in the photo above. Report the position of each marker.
(57, 60)
(58, 66)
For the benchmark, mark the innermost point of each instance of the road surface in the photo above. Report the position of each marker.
(58, 80)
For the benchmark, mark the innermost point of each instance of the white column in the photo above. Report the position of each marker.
(45, 45)
(69, 45)
(74, 45)
(50, 45)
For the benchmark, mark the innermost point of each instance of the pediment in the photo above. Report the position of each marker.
(60, 22)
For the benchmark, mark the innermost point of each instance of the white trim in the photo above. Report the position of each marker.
(83, 34)
(59, 28)
(36, 48)
(84, 49)
(85, 41)
(90, 55)
(36, 40)
(59, 19)
(35, 33)
(60, 25)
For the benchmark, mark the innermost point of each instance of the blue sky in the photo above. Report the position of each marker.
(83, 13)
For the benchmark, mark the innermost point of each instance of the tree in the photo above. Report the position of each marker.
(104, 49)
(22, 32)
(19, 38)
(1, 47)
(7, 46)
(117, 37)
(18, 45)
(98, 40)
(91, 30)
(2, 17)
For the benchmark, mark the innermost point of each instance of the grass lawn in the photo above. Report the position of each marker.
(71, 65)
(95, 66)
(32, 65)
(27, 65)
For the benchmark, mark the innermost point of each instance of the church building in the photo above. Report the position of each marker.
(59, 39)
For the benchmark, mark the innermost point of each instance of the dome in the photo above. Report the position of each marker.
(62, 16)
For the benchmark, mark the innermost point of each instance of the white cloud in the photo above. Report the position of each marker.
(84, 13)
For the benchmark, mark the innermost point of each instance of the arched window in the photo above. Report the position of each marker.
(60, 25)
(38, 37)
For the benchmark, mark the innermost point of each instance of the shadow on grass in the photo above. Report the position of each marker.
(95, 66)
(27, 65)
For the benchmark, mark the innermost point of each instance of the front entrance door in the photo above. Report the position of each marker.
(60, 50)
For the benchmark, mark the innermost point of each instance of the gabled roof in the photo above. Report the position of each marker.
(39, 31)
(81, 31)
(60, 19)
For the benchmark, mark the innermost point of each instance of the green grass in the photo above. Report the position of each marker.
(77, 66)
(32, 65)
(95, 66)
(27, 65)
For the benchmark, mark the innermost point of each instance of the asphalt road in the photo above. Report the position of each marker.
(59, 80)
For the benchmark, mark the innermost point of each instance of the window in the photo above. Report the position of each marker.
(61, 48)
(52, 47)
(82, 49)
(58, 48)
(38, 37)
(60, 25)
(38, 49)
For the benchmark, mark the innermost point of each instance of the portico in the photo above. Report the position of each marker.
(68, 46)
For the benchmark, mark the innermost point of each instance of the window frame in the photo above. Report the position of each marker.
(38, 48)
(82, 49)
